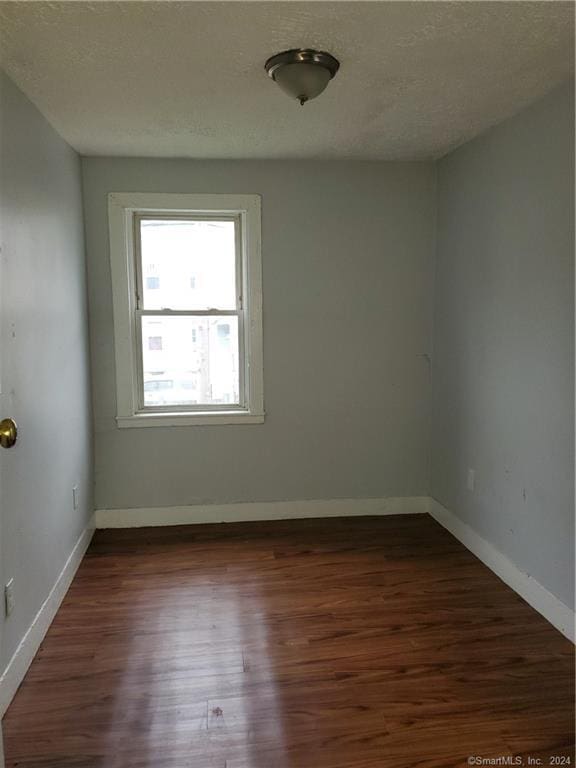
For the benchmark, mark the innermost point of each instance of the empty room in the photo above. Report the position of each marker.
(286, 384)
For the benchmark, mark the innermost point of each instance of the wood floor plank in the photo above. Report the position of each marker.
(345, 643)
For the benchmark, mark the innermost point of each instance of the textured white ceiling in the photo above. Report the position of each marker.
(186, 79)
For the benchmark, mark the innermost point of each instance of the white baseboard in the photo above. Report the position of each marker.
(262, 510)
(554, 610)
(24, 654)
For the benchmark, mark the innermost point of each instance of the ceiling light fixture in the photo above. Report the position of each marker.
(301, 72)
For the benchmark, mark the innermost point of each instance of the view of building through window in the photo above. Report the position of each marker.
(189, 266)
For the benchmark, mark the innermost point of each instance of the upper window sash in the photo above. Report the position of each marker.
(190, 217)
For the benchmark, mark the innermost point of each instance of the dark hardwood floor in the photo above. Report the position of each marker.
(336, 643)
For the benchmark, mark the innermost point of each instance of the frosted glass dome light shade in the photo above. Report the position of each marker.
(302, 73)
(302, 81)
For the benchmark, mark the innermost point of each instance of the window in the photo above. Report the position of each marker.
(154, 343)
(155, 384)
(152, 283)
(224, 331)
(204, 333)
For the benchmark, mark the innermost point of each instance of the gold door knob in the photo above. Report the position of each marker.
(8, 433)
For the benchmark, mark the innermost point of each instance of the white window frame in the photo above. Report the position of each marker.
(124, 210)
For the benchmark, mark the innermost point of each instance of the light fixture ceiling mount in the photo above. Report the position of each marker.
(302, 73)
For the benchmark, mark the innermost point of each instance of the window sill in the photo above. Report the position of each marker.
(188, 419)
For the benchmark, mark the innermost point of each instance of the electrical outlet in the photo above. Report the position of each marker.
(75, 496)
(9, 600)
(471, 480)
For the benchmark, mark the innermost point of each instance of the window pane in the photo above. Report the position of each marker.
(190, 360)
(188, 264)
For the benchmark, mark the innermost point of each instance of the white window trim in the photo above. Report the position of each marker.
(121, 209)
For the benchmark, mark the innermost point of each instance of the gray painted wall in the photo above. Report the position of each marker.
(45, 353)
(503, 396)
(347, 268)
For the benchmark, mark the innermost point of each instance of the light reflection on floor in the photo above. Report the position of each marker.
(200, 693)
